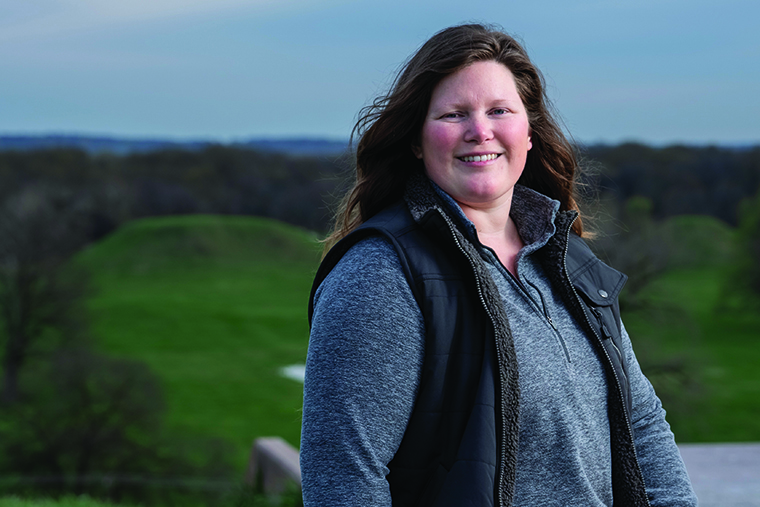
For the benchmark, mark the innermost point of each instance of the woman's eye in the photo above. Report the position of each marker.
(499, 111)
(451, 115)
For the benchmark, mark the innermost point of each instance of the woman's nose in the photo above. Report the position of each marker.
(478, 130)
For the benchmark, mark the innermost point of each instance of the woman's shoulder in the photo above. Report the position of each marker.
(368, 289)
(372, 264)
(370, 256)
(372, 249)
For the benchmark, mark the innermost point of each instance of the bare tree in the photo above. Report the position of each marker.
(40, 229)
(635, 244)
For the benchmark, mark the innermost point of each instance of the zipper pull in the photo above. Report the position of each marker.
(605, 331)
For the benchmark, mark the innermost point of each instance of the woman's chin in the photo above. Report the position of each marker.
(486, 197)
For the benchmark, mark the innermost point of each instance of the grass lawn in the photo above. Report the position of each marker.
(722, 347)
(215, 306)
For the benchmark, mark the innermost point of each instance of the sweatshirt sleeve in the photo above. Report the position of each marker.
(667, 482)
(362, 372)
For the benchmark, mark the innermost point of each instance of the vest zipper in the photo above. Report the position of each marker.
(607, 335)
(502, 450)
(606, 354)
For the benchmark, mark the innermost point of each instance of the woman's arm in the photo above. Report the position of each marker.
(362, 371)
(665, 477)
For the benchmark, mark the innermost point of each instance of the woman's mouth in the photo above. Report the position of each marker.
(479, 158)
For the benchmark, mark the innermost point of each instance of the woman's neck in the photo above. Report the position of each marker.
(497, 231)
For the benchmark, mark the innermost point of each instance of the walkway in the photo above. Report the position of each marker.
(724, 475)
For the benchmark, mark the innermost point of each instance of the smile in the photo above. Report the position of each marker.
(479, 158)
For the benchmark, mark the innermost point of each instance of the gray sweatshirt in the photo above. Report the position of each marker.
(363, 368)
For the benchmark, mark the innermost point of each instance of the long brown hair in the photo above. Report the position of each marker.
(389, 127)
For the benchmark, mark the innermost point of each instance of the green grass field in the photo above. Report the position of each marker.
(722, 348)
(216, 305)
(717, 347)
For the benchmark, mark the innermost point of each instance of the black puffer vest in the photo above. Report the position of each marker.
(460, 445)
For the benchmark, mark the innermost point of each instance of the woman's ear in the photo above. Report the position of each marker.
(417, 151)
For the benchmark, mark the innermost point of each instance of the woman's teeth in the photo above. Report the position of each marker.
(479, 158)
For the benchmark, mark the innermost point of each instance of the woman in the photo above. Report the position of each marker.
(466, 346)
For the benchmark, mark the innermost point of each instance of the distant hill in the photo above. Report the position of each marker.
(216, 306)
(122, 146)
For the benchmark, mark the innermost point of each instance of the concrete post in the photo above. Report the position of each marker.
(274, 463)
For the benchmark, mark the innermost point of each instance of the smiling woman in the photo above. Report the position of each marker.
(466, 346)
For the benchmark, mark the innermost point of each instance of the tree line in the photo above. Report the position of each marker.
(678, 180)
(302, 190)
(218, 179)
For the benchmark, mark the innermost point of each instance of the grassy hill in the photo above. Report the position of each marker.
(215, 305)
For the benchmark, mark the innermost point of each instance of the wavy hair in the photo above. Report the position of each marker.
(389, 127)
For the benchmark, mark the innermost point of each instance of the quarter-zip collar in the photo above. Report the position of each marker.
(533, 214)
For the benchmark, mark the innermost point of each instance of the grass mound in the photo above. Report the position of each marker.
(154, 245)
(215, 305)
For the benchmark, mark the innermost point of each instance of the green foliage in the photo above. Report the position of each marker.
(89, 423)
(678, 180)
(216, 179)
(74, 420)
(247, 496)
(698, 241)
(40, 297)
(67, 501)
(241, 496)
(696, 354)
(745, 284)
(215, 305)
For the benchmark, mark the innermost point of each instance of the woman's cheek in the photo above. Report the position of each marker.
(440, 139)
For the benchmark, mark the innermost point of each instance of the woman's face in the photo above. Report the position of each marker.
(476, 135)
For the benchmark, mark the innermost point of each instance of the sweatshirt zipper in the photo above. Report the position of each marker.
(493, 323)
(606, 354)
(548, 317)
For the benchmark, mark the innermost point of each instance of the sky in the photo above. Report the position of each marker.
(653, 71)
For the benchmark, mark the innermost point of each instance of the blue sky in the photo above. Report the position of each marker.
(653, 71)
